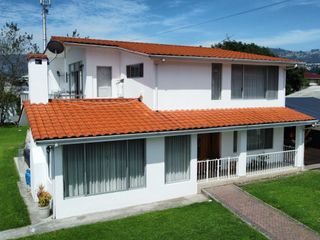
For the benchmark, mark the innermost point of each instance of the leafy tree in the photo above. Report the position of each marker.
(233, 45)
(295, 80)
(295, 77)
(75, 34)
(13, 48)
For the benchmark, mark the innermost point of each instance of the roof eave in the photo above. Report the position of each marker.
(177, 57)
(287, 63)
(66, 141)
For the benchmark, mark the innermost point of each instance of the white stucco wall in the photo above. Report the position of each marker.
(38, 168)
(156, 189)
(227, 143)
(38, 81)
(136, 87)
(181, 85)
(187, 85)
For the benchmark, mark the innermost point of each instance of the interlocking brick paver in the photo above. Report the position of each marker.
(268, 220)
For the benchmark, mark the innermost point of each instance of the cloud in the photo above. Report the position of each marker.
(288, 38)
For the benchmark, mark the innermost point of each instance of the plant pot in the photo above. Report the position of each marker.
(44, 212)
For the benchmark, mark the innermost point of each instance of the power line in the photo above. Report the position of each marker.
(223, 17)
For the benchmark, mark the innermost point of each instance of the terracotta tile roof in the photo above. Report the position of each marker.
(36, 56)
(173, 50)
(310, 75)
(99, 117)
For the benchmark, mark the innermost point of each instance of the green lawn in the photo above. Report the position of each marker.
(207, 220)
(13, 212)
(298, 196)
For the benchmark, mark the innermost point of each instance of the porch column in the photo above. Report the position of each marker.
(299, 161)
(242, 163)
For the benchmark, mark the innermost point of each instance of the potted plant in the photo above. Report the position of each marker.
(44, 202)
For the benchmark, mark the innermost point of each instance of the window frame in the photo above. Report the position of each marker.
(269, 84)
(132, 73)
(189, 161)
(216, 84)
(85, 173)
(262, 135)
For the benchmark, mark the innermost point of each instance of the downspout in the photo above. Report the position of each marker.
(156, 96)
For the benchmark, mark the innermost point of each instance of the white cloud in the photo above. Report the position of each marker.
(287, 38)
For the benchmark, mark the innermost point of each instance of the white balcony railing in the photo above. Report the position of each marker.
(268, 162)
(215, 169)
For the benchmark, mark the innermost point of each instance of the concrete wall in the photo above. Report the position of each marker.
(227, 143)
(38, 167)
(174, 85)
(187, 85)
(38, 80)
(156, 189)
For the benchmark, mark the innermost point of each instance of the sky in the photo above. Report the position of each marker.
(292, 25)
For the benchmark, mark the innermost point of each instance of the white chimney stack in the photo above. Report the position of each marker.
(38, 78)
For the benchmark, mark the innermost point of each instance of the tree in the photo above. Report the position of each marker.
(233, 45)
(295, 80)
(75, 34)
(14, 46)
(295, 77)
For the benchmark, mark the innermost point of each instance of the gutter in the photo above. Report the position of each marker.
(157, 56)
(66, 141)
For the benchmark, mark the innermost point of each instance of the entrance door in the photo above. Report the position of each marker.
(208, 146)
(104, 81)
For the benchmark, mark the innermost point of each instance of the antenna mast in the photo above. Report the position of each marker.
(45, 10)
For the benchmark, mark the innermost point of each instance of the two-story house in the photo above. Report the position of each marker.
(116, 124)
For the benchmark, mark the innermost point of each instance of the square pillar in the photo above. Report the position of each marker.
(299, 160)
(242, 162)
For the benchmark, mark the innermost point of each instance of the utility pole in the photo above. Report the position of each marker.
(45, 10)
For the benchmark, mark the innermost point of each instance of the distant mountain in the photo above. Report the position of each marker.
(312, 56)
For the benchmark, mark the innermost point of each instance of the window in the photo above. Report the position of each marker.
(235, 142)
(135, 70)
(103, 167)
(104, 81)
(216, 77)
(76, 80)
(254, 82)
(259, 139)
(177, 158)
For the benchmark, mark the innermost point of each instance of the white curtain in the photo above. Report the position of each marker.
(104, 75)
(255, 78)
(103, 167)
(177, 158)
(73, 170)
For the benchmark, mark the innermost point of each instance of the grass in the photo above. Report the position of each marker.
(13, 212)
(207, 220)
(298, 196)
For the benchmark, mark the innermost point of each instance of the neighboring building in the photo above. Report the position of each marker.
(132, 123)
(313, 78)
(310, 106)
(312, 91)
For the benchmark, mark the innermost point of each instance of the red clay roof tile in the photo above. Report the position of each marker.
(173, 50)
(98, 117)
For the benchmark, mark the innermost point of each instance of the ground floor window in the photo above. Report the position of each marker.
(177, 158)
(103, 167)
(259, 139)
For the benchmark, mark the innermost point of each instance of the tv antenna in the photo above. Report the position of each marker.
(45, 10)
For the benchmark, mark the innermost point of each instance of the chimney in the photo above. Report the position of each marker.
(38, 78)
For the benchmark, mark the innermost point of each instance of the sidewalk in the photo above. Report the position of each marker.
(269, 221)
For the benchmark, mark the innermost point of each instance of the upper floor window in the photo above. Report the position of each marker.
(135, 70)
(216, 77)
(259, 139)
(254, 82)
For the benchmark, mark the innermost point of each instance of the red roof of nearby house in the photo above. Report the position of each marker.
(98, 117)
(36, 56)
(310, 75)
(174, 50)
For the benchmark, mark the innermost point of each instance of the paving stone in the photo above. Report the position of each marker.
(270, 221)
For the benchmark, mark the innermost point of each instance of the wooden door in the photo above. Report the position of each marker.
(208, 146)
